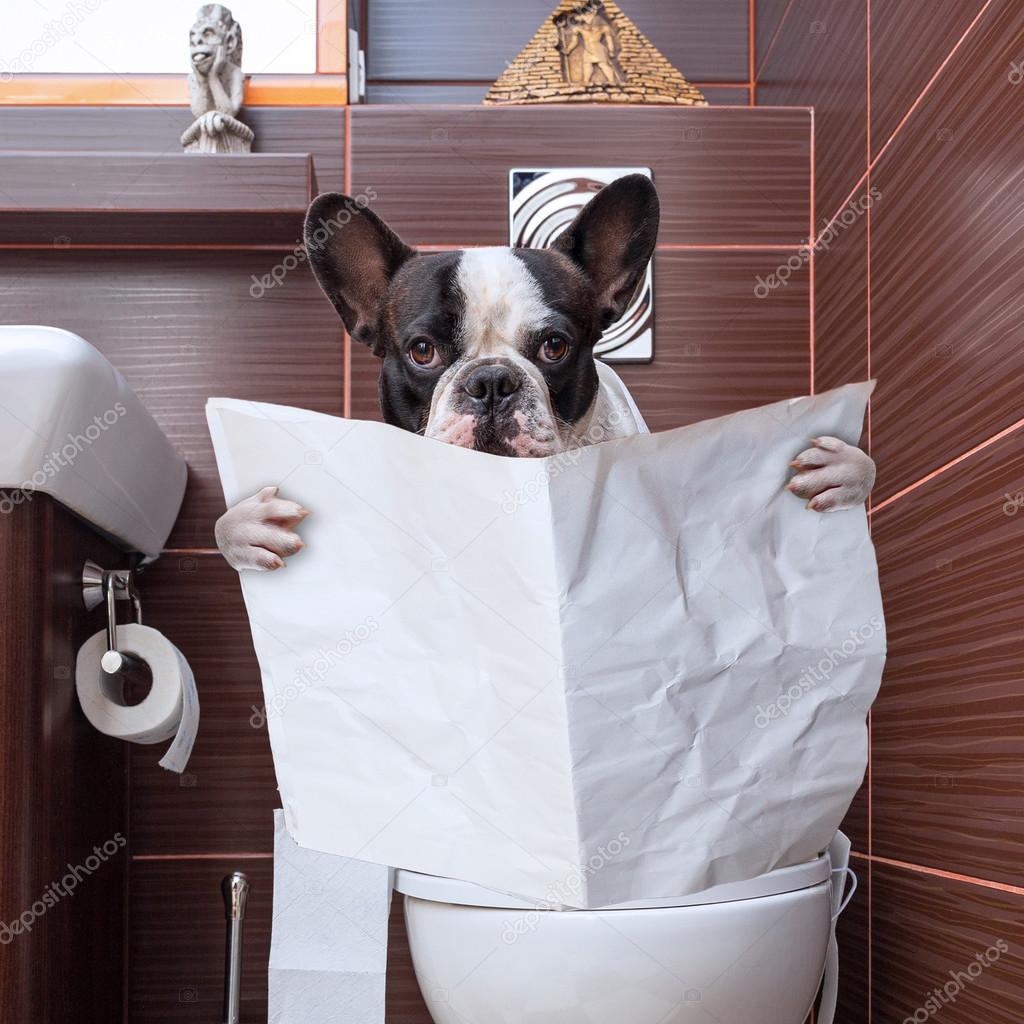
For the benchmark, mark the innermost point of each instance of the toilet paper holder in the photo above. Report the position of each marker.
(108, 586)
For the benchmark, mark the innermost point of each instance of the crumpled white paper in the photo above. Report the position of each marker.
(329, 945)
(632, 671)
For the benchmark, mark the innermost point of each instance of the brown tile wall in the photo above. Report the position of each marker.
(451, 51)
(63, 785)
(913, 106)
(711, 194)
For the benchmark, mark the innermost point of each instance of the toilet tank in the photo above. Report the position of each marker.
(71, 427)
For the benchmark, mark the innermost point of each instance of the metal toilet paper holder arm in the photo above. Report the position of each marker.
(108, 586)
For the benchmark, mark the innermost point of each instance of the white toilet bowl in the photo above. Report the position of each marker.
(745, 953)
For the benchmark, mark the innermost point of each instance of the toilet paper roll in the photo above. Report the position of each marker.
(171, 708)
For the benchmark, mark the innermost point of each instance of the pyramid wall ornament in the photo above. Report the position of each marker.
(591, 52)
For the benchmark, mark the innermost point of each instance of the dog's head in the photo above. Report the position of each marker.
(491, 348)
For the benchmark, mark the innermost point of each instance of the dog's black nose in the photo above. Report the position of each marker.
(491, 385)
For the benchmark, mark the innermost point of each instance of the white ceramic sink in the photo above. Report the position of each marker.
(71, 427)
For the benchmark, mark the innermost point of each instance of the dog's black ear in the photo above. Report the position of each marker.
(354, 256)
(612, 240)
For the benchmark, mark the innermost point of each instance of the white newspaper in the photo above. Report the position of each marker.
(632, 671)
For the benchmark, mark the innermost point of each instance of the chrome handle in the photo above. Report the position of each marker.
(107, 587)
(236, 893)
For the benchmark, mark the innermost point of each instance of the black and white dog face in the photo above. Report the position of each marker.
(493, 348)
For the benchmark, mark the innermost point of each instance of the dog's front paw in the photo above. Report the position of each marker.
(832, 475)
(257, 533)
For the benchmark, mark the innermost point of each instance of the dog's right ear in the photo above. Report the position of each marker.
(612, 240)
(354, 256)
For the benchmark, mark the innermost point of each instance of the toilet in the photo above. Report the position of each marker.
(744, 952)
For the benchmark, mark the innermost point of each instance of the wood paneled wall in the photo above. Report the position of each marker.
(63, 786)
(182, 321)
(449, 51)
(179, 309)
(915, 106)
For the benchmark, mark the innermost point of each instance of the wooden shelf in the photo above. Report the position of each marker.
(78, 181)
(78, 198)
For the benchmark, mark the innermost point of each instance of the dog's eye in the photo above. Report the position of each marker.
(423, 353)
(554, 350)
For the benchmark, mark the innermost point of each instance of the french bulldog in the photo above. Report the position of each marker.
(493, 348)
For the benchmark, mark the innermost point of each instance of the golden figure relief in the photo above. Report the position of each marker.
(590, 46)
(588, 51)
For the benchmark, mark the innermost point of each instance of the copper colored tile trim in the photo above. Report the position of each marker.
(436, 108)
(149, 247)
(326, 90)
(867, 83)
(331, 36)
(724, 247)
(810, 235)
(949, 465)
(346, 341)
(867, 272)
(233, 855)
(922, 869)
(661, 247)
(906, 117)
(942, 67)
(482, 82)
(773, 40)
(906, 50)
(751, 52)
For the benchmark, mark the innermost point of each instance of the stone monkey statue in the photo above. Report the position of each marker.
(216, 84)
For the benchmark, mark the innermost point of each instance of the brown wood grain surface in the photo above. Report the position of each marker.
(948, 727)
(929, 933)
(947, 278)
(726, 176)
(63, 787)
(819, 59)
(924, 290)
(707, 40)
(183, 327)
(91, 180)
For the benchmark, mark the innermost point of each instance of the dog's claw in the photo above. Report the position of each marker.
(257, 533)
(832, 475)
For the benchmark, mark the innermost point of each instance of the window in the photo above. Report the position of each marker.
(137, 51)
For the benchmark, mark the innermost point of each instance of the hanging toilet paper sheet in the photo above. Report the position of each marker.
(171, 708)
(329, 943)
(634, 670)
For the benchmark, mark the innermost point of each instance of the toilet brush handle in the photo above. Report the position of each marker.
(236, 893)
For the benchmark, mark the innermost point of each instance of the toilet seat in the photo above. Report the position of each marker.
(755, 949)
(468, 894)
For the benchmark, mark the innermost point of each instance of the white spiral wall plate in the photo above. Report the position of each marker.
(542, 203)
